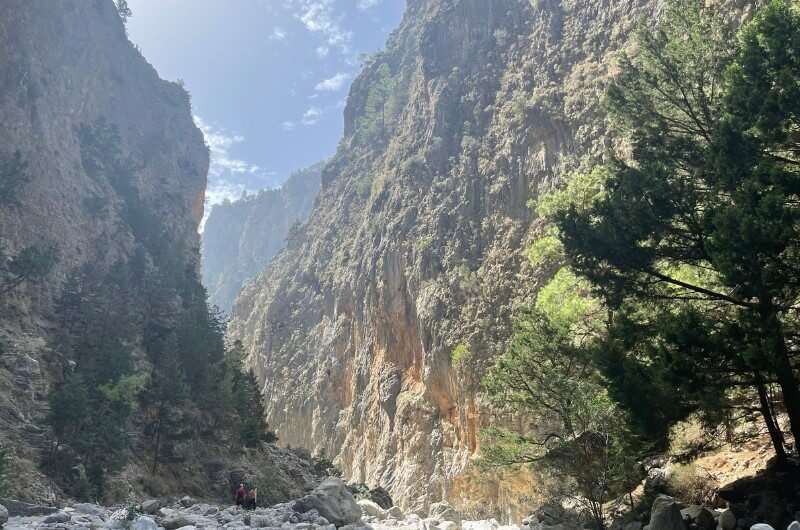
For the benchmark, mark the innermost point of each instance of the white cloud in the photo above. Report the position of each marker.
(366, 4)
(333, 84)
(323, 51)
(278, 34)
(319, 16)
(311, 116)
(289, 125)
(219, 144)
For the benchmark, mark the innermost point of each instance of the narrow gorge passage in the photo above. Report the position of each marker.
(400, 264)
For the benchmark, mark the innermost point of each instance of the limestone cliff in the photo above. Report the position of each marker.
(415, 250)
(115, 174)
(240, 238)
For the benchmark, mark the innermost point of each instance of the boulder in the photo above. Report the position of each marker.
(794, 525)
(187, 501)
(442, 511)
(395, 513)
(666, 515)
(633, 525)
(91, 509)
(699, 517)
(726, 520)
(333, 501)
(761, 526)
(25, 509)
(55, 518)
(144, 523)
(381, 497)
(371, 509)
(447, 525)
(3, 515)
(180, 520)
(151, 506)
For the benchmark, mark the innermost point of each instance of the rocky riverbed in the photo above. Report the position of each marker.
(330, 506)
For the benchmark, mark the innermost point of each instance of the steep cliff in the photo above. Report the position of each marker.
(371, 331)
(240, 238)
(112, 175)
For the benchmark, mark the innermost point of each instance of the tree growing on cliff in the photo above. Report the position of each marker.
(576, 432)
(704, 216)
(240, 391)
(31, 264)
(13, 176)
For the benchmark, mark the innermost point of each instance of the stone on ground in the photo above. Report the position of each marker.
(144, 523)
(371, 509)
(666, 515)
(55, 518)
(3, 515)
(761, 526)
(151, 506)
(727, 520)
(700, 516)
(333, 501)
(442, 511)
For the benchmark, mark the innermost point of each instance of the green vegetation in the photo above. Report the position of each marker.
(384, 102)
(5, 470)
(460, 354)
(13, 177)
(32, 264)
(701, 225)
(240, 389)
(675, 288)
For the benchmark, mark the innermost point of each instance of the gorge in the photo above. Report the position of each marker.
(540, 281)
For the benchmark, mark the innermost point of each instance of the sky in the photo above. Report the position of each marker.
(268, 78)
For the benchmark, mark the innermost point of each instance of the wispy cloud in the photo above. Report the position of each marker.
(311, 116)
(323, 51)
(320, 16)
(332, 84)
(278, 34)
(367, 4)
(219, 145)
(289, 125)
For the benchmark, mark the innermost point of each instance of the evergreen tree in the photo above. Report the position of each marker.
(13, 176)
(704, 216)
(241, 391)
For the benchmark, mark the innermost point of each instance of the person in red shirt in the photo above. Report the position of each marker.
(241, 495)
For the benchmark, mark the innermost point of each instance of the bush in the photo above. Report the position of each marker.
(460, 354)
(13, 176)
(693, 484)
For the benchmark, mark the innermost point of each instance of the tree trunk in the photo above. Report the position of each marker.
(783, 372)
(775, 433)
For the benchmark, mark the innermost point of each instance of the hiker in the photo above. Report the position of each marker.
(241, 496)
(252, 496)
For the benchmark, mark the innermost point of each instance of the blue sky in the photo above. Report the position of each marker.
(268, 78)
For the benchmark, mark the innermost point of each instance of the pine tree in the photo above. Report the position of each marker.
(704, 217)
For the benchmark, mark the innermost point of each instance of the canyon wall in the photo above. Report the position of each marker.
(371, 331)
(241, 237)
(112, 175)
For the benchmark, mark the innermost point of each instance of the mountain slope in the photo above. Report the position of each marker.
(371, 331)
(112, 175)
(240, 238)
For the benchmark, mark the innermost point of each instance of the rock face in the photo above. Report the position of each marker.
(114, 175)
(415, 248)
(240, 238)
